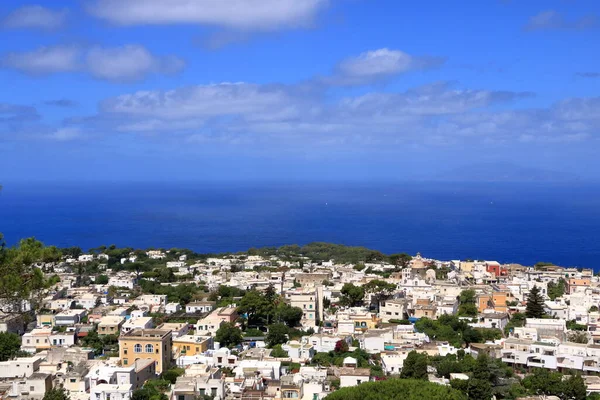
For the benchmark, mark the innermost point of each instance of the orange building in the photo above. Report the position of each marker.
(496, 301)
(577, 285)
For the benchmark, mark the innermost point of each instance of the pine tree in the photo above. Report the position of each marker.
(535, 304)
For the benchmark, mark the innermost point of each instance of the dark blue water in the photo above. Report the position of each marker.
(522, 223)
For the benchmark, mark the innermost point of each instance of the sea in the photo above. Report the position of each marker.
(507, 222)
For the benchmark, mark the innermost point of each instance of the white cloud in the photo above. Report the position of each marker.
(552, 20)
(203, 101)
(35, 17)
(377, 65)
(44, 60)
(65, 134)
(128, 63)
(257, 15)
(120, 64)
(278, 112)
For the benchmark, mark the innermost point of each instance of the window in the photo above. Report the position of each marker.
(181, 397)
(124, 361)
(125, 351)
(137, 348)
(73, 380)
(31, 388)
(149, 348)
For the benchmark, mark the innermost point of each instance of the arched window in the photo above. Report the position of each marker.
(137, 348)
(149, 348)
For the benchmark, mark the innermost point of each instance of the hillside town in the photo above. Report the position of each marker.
(123, 324)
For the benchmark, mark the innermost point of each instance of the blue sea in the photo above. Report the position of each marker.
(522, 223)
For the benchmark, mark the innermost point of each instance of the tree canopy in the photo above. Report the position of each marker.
(228, 335)
(56, 394)
(10, 344)
(535, 304)
(391, 389)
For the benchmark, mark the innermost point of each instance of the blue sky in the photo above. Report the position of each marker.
(297, 89)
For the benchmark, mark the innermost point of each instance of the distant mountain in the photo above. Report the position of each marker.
(503, 172)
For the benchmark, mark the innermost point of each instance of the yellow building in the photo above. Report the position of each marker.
(191, 345)
(45, 319)
(364, 321)
(140, 344)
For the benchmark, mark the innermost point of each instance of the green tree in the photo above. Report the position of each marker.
(277, 334)
(578, 337)
(556, 289)
(393, 389)
(479, 385)
(56, 394)
(593, 309)
(517, 320)
(352, 295)
(255, 305)
(279, 352)
(573, 388)
(415, 366)
(10, 344)
(400, 260)
(467, 303)
(172, 374)
(288, 314)
(20, 279)
(229, 335)
(101, 279)
(535, 304)
(380, 290)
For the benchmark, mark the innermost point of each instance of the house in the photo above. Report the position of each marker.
(21, 367)
(199, 381)
(61, 304)
(140, 344)
(493, 320)
(353, 376)
(392, 309)
(211, 323)
(175, 264)
(310, 302)
(135, 375)
(32, 388)
(36, 340)
(324, 343)
(106, 391)
(87, 301)
(122, 281)
(110, 325)
(172, 308)
(302, 350)
(156, 254)
(69, 317)
(62, 339)
(392, 362)
(192, 345)
(85, 258)
(177, 328)
(199, 307)
(137, 323)
(152, 299)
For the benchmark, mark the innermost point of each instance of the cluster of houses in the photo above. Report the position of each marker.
(146, 348)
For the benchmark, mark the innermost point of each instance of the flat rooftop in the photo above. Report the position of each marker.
(147, 333)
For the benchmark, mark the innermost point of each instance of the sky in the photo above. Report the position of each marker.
(298, 89)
